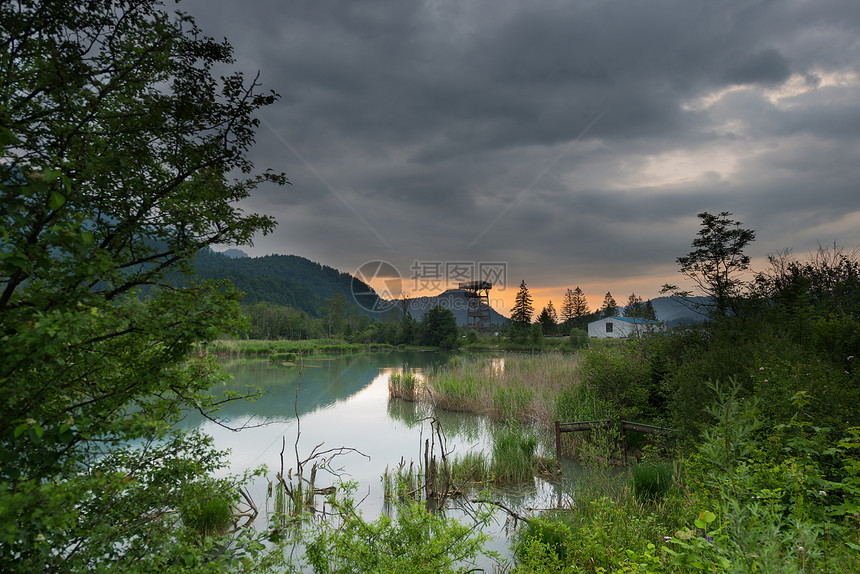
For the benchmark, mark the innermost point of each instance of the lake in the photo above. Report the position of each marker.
(342, 401)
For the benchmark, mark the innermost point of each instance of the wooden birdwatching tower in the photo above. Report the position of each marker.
(478, 307)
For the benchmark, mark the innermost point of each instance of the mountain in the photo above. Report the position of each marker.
(305, 284)
(280, 279)
(233, 253)
(454, 300)
(674, 311)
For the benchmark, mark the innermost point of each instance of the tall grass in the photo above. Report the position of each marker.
(403, 386)
(513, 454)
(212, 516)
(471, 468)
(402, 482)
(518, 386)
(651, 480)
(532, 389)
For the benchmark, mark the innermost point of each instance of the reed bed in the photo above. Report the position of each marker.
(473, 468)
(522, 387)
(403, 386)
(402, 482)
(513, 454)
(531, 389)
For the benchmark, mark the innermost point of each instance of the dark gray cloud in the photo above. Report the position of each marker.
(448, 130)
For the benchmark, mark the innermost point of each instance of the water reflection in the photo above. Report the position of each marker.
(343, 402)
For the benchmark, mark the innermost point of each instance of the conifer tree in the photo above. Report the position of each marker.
(523, 308)
(634, 307)
(580, 304)
(567, 306)
(552, 312)
(609, 308)
(548, 319)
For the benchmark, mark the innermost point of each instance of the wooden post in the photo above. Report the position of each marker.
(558, 442)
(624, 440)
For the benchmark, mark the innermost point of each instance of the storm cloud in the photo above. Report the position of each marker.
(573, 140)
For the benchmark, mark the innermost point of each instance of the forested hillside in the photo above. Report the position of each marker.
(279, 279)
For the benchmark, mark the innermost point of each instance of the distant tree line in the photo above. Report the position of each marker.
(575, 313)
(340, 319)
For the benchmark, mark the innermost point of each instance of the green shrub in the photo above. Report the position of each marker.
(651, 480)
(578, 338)
(412, 540)
(619, 374)
(543, 538)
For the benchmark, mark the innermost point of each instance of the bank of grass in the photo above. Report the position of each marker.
(261, 347)
(532, 389)
(728, 507)
(605, 528)
(524, 387)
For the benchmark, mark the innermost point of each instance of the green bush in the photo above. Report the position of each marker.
(412, 539)
(651, 480)
(618, 374)
(544, 538)
(578, 338)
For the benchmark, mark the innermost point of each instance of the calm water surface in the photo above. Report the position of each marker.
(343, 402)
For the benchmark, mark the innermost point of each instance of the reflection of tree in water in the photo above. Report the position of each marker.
(465, 426)
(322, 381)
(409, 413)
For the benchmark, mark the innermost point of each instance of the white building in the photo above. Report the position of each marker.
(620, 327)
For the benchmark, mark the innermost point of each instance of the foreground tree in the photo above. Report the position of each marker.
(716, 263)
(117, 142)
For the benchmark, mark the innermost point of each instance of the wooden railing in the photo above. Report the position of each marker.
(561, 427)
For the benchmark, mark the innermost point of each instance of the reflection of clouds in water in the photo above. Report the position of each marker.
(344, 401)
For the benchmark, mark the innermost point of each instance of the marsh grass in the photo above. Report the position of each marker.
(651, 481)
(513, 458)
(211, 516)
(282, 357)
(517, 386)
(473, 468)
(533, 389)
(404, 386)
(401, 483)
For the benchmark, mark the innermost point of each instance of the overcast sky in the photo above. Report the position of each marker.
(574, 141)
